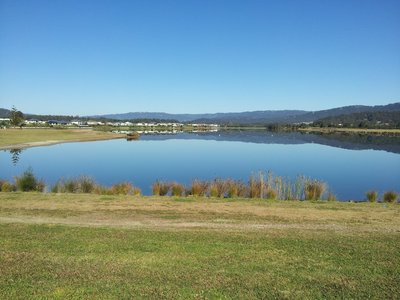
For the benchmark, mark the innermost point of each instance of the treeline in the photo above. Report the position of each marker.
(382, 119)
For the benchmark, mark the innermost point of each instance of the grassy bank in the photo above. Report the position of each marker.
(94, 246)
(26, 137)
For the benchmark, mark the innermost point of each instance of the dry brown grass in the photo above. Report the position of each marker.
(172, 213)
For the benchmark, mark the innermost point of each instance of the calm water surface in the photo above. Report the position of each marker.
(349, 167)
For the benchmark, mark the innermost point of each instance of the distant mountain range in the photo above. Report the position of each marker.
(256, 117)
(245, 118)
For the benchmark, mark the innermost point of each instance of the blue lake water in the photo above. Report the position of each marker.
(350, 167)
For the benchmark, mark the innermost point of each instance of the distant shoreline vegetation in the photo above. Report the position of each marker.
(355, 117)
(260, 186)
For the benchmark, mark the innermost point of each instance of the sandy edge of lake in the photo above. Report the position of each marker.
(54, 142)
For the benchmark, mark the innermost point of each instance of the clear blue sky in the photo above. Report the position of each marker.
(85, 57)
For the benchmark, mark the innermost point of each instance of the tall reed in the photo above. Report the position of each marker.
(314, 189)
(199, 188)
(161, 188)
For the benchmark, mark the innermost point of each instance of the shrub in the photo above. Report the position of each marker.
(390, 197)
(314, 189)
(27, 182)
(177, 189)
(372, 196)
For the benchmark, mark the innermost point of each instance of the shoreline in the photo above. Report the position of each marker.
(55, 142)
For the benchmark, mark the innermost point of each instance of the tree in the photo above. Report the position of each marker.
(16, 117)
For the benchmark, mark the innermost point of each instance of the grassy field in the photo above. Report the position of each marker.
(32, 136)
(73, 246)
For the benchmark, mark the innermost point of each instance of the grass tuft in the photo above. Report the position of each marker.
(372, 196)
(390, 197)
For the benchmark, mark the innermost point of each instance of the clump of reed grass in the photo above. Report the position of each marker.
(123, 188)
(161, 188)
(199, 188)
(372, 196)
(314, 189)
(136, 191)
(83, 184)
(27, 182)
(255, 187)
(218, 188)
(271, 194)
(390, 197)
(177, 189)
(7, 187)
(86, 185)
(331, 197)
(236, 189)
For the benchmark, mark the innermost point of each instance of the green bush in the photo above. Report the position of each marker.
(27, 182)
(372, 196)
(390, 197)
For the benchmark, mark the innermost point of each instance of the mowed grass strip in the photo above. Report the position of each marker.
(112, 260)
(18, 136)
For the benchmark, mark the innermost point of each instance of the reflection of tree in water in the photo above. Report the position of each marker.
(15, 155)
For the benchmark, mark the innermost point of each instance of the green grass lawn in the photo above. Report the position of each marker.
(119, 247)
(34, 135)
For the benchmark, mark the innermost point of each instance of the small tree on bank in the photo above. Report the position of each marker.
(16, 117)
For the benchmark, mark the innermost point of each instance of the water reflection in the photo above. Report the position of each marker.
(338, 140)
(15, 155)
